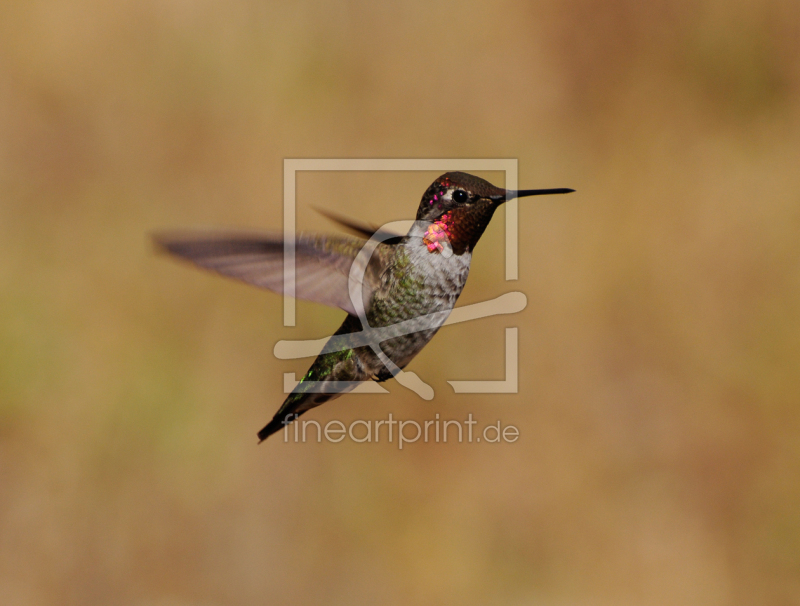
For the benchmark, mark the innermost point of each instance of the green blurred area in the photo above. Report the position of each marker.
(658, 410)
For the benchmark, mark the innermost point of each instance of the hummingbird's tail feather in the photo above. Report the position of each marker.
(295, 404)
(335, 372)
(270, 428)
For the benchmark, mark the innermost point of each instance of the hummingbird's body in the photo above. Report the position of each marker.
(422, 273)
(415, 283)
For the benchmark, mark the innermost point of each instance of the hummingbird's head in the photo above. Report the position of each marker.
(461, 205)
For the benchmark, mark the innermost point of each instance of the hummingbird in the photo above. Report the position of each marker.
(402, 278)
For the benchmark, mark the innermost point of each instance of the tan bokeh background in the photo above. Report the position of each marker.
(659, 459)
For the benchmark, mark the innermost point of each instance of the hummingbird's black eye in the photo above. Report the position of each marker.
(460, 196)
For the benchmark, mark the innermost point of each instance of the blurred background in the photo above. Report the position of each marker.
(658, 459)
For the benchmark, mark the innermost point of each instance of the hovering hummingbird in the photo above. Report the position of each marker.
(403, 278)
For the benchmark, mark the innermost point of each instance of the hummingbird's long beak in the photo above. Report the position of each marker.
(510, 194)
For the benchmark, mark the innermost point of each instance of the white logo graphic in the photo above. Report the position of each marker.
(509, 303)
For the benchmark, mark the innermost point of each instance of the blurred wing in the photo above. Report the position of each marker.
(362, 229)
(322, 263)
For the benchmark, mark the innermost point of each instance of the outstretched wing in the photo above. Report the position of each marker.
(322, 263)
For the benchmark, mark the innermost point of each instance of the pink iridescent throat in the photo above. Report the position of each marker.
(437, 232)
